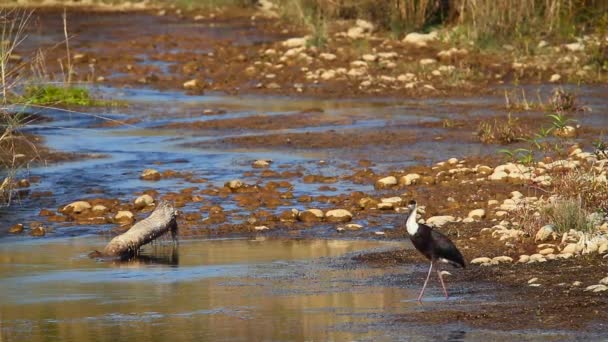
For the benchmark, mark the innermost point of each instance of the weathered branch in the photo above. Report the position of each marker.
(161, 221)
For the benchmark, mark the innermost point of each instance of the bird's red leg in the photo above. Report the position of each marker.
(426, 281)
(442, 284)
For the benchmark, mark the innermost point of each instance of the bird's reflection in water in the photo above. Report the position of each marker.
(456, 336)
(167, 255)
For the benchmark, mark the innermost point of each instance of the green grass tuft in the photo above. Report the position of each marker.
(52, 95)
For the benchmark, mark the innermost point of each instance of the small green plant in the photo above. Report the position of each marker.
(560, 120)
(521, 155)
(52, 95)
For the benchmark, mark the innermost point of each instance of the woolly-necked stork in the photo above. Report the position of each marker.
(433, 245)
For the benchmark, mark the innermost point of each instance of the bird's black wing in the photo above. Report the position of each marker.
(445, 248)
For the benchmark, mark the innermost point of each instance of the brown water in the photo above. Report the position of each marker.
(205, 290)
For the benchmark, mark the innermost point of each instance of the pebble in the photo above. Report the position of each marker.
(570, 248)
(38, 231)
(143, 201)
(328, 56)
(99, 209)
(501, 259)
(295, 42)
(395, 201)
(16, 229)
(427, 61)
(77, 207)
(409, 179)
(191, 84)
(420, 39)
(261, 163)
(577, 283)
(596, 288)
(544, 233)
(338, 215)
(385, 206)
(261, 228)
(604, 281)
(439, 221)
(477, 214)
(386, 182)
(310, 215)
(523, 258)
(533, 280)
(124, 217)
(150, 174)
(481, 260)
(234, 184)
(546, 251)
(353, 226)
(555, 78)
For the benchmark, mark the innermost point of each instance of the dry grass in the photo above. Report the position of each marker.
(566, 214)
(505, 131)
(12, 24)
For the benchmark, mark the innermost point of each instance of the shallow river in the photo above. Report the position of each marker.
(235, 289)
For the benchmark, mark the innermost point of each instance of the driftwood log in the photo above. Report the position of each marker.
(161, 221)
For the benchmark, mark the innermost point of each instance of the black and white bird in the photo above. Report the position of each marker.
(433, 245)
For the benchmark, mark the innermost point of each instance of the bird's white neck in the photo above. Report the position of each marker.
(411, 225)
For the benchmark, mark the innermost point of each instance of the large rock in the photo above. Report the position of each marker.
(338, 215)
(420, 39)
(438, 221)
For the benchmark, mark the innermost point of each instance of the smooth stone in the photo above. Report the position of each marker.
(16, 229)
(124, 217)
(261, 163)
(523, 258)
(77, 207)
(385, 206)
(501, 259)
(150, 174)
(420, 39)
(570, 248)
(99, 209)
(409, 179)
(481, 260)
(546, 251)
(143, 201)
(234, 184)
(386, 182)
(544, 233)
(261, 228)
(310, 215)
(596, 288)
(477, 214)
(338, 215)
(439, 221)
(353, 226)
(396, 201)
(533, 280)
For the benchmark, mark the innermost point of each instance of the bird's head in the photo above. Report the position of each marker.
(411, 205)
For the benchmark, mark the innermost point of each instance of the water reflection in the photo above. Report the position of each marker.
(237, 290)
